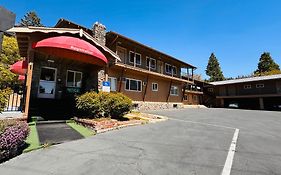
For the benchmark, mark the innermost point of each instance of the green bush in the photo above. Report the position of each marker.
(93, 105)
(4, 96)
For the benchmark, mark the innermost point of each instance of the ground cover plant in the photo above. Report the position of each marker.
(12, 138)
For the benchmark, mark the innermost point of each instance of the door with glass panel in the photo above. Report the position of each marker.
(47, 83)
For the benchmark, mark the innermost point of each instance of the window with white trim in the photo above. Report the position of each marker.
(133, 85)
(168, 68)
(174, 90)
(113, 83)
(74, 79)
(259, 86)
(247, 86)
(135, 58)
(154, 86)
(150, 63)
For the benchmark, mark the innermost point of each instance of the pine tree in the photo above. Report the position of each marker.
(213, 69)
(31, 19)
(266, 64)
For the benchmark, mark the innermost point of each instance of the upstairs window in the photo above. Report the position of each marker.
(133, 85)
(135, 58)
(169, 69)
(259, 86)
(247, 86)
(150, 63)
(174, 91)
(74, 79)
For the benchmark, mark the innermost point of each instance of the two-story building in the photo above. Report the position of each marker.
(262, 92)
(69, 59)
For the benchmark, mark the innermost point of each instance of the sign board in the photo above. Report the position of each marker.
(73, 90)
(7, 21)
(106, 86)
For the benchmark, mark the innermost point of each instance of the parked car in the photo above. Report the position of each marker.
(234, 105)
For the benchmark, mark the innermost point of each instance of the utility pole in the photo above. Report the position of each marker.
(7, 21)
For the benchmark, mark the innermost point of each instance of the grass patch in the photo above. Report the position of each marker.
(86, 132)
(32, 139)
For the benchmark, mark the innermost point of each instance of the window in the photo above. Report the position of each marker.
(150, 63)
(154, 87)
(133, 85)
(74, 79)
(174, 70)
(259, 85)
(185, 97)
(174, 90)
(247, 86)
(210, 89)
(195, 99)
(135, 58)
(113, 83)
(168, 68)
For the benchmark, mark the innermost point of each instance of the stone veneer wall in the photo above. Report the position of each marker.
(101, 78)
(143, 106)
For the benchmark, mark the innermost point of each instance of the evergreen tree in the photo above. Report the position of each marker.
(213, 69)
(266, 64)
(31, 19)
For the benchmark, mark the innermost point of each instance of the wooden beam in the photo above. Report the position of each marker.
(183, 92)
(169, 91)
(28, 88)
(145, 90)
(121, 79)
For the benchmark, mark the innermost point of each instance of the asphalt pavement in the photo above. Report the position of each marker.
(192, 141)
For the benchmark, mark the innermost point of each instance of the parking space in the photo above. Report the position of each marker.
(193, 141)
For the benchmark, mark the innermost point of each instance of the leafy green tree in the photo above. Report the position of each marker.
(31, 19)
(213, 69)
(267, 65)
(9, 55)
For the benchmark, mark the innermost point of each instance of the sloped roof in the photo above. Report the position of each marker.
(251, 79)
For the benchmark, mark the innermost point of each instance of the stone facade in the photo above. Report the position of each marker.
(99, 32)
(145, 106)
(101, 78)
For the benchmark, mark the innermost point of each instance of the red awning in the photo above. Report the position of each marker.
(72, 48)
(19, 67)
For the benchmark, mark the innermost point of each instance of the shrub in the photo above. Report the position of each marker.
(93, 105)
(12, 138)
(4, 96)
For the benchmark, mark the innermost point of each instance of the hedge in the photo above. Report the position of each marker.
(12, 136)
(93, 105)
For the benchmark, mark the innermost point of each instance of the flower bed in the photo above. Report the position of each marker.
(106, 124)
(12, 136)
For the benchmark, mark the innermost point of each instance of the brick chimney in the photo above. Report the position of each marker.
(99, 32)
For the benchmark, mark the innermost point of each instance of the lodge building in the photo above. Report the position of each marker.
(68, 59)
(260, 93)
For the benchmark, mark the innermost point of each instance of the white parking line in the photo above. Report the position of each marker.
(230, 156)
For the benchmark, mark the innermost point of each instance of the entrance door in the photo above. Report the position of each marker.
(47, 83)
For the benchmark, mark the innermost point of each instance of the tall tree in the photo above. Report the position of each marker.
(31, 19)
(213, 69)
(266, 64)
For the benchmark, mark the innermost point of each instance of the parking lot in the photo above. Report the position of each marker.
(192, 141)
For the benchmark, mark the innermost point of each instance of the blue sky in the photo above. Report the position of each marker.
(237, 31)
